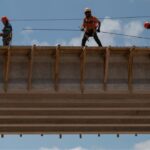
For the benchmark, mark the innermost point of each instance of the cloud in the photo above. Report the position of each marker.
(143, 145)
(134, 28)
(49, 148)
(109, 25)
(38, 43)
(55, 148)
(28, 40)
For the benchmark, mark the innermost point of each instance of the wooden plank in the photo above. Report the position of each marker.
(106, 67)
(76, 121)
(30, 70)
(57, 68)
(82, 69)
(76, 117)
(83, 113)
(75, 130)
(73, 105)
(7, 68)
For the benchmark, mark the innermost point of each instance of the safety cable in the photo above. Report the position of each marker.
(75, 19)
(77, 30)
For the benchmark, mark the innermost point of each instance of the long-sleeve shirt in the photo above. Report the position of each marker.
(7, 32)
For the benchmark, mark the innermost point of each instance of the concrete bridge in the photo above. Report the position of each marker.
(74, 90)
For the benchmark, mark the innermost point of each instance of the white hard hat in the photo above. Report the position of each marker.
(87, 10)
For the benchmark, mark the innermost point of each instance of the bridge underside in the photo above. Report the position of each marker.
(74, 90)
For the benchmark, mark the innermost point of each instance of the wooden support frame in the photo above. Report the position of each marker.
(57, 68)
(82, 69)
(130, 69)
(106, 67)
(7, 68)
(30, 70)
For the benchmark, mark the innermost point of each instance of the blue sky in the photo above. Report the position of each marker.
(26, 9)
(19, 9)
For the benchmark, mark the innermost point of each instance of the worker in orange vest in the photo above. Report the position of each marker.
(91, 25)
(6, 32)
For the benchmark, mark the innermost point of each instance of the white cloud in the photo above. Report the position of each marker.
(38, 43)
(134, 28)
(28, 40)
(78, 148)
(111, 25)
(142, 146)
(55, 148)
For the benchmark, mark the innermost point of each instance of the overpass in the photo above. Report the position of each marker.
(74, 90)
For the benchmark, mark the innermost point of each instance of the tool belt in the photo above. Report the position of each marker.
(90, 32)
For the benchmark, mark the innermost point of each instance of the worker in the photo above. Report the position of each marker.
(91, 25)
(6, 32)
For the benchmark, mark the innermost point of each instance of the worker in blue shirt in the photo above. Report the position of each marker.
(6, 32)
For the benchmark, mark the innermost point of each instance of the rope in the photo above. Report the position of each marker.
(75, 19)
(76, 30)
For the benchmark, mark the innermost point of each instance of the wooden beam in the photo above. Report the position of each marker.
(7, 68)
(57, 67)
(82, 69)
(30, 70)
(130, 69)
(106, 67)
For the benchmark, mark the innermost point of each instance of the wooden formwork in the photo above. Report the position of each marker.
(74, 90)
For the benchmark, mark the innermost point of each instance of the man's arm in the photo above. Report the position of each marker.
(1, 34)
(99, 25)
(83, 25)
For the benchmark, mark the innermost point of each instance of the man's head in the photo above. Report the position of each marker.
(4, 20)
(88, 12)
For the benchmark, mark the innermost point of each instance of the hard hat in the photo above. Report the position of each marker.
(87, 10)
(147, 25)
(4, 19)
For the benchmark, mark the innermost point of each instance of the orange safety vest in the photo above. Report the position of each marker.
(90, 23)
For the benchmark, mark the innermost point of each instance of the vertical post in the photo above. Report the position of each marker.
(106, 66)
(57, 63)
(7, 68)
(30, 71)
(82, 68)
(130, 69)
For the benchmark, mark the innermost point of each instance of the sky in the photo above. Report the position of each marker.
(53, 9)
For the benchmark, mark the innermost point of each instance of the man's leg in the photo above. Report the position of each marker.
(97, 39)
(84, 39)
(6, 43)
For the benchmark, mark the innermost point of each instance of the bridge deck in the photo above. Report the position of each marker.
(74, 90)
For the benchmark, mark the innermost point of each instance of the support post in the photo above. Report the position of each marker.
(30, 71)
(7, 68)
(82, 69)
(130, 69)
(57, 67)
(106, 67)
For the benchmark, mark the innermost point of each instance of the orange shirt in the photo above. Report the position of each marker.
(90, 23)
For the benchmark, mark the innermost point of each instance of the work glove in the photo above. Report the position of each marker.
(82, 29)
(98, 30)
